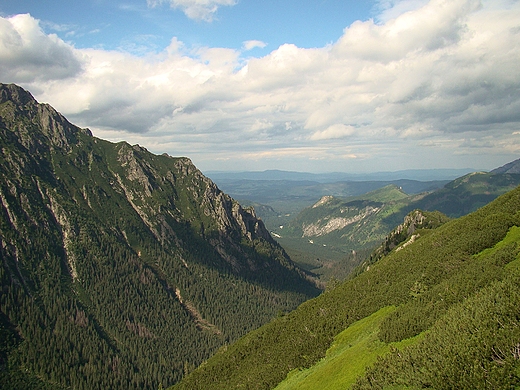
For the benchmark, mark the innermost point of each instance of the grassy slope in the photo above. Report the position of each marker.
(414, 278)
(358, 347)
(473, 346)
(353, 350)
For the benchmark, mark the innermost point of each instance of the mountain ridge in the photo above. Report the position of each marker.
(512, 167)
(121, 268)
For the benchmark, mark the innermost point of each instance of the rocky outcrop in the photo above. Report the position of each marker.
(322, 227)
(406, 233)
(201, 200)
(54, 130)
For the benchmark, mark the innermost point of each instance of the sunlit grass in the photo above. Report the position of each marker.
(354, 349)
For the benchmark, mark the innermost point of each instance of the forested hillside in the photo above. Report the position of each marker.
(120, 268)
(438, 312)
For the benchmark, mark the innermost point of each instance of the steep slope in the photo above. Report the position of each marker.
(441, 274)
(120, 268)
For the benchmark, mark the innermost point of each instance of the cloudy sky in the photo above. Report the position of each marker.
(318, 86)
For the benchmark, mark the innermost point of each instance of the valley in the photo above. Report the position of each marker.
(126, 269)
(259, 195)
(447, 297)
(328, 228)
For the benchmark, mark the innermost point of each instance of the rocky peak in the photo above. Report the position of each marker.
(164, 191)
(19, 96)
(38, 126)
(324, 200)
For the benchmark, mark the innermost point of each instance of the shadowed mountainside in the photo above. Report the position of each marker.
(121, 268)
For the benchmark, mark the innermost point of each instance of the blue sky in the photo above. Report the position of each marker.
(134, 24)
(354, 86)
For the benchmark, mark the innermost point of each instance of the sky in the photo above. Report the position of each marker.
(315, 86)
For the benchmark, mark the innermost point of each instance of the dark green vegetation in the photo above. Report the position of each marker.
(455, 293)
(120, 268)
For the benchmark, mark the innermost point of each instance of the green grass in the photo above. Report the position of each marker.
(354, 349)
(389, 193)
(513, 236)
(359, 347)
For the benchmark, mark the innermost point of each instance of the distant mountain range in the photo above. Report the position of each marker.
(356, 224)
(121, 268)
(331, 177)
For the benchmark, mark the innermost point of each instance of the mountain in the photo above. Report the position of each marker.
(327, 240)
(512, 167)
(469, 192)
(422, 175)
(339, 216)
(121, 268)
(439, 311)
(334, 235)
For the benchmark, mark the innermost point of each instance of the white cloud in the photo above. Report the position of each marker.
(249, 45)
(335, 131)
(26, 53)
(418, 83)
(195, 9)
(391, 9)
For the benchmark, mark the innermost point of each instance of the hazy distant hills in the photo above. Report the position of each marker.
(439, 310)
(291, 194)
(120, 268)
(332, 177)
